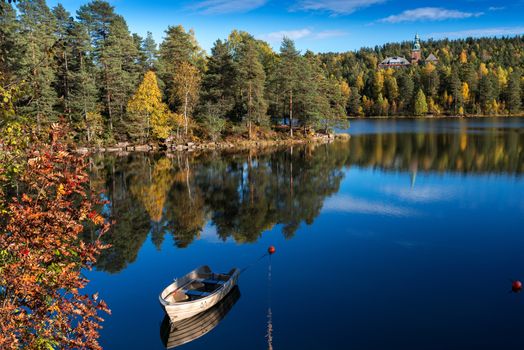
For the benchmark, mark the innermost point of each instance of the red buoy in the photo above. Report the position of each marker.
(516, 286)
(271, 250)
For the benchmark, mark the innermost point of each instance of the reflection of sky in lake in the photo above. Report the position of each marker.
(437, 125)
(396, 259)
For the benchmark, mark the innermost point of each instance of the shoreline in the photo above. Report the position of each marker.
(225, 145)
(436, 116)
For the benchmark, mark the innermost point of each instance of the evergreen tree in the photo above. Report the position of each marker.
(456, 92)
(354, 108)
(486, 93)
(288, 72)
(37, 25)
(514, 93)
(151, 51)
(63, 55)
(217, 91)
(141, 56)
(97, 17)
(84, 101)
(250, 86)
(407, 88)
(9, 50)
(178, 47)
(421, 106)
(119, 73)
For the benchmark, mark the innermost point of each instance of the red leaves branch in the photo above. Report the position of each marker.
(42, 255)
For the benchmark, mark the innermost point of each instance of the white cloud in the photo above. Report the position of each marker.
(420, 194)
(326, 34)
(429, 14)
(227, 6)
(336, 7)
(297, 34)
(348, 204)
(291, 34)
(484, 32)
(497, 8)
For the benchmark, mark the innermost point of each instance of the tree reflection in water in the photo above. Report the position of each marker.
(245, 194)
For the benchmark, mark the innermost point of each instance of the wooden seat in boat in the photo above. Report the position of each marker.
(196, 293)
(212, 281)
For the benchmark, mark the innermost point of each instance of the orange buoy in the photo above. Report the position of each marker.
(271, 250)
(516, 286)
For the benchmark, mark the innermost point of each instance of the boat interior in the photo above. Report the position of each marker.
(199, 287)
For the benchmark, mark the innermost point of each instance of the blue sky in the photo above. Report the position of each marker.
(322, 25)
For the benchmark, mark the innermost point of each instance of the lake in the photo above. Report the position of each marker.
(407, 236)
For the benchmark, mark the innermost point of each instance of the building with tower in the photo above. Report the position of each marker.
(416, 51)
(416, 57)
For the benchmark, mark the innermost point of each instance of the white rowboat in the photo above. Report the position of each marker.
(185, 331)
(196, 292)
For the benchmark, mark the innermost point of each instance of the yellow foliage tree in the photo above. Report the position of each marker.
(483, 69)
(186, 89)
(463, 57)
(148, 115)
(465, 92)
(359, 83)
(502, 76)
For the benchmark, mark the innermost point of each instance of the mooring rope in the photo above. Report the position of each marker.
(253, 263)
(269, 334)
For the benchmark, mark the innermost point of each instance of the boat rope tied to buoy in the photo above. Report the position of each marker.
(270, 251)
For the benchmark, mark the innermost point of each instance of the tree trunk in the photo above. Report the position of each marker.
(185, 112)
(291, 113)
(249, 107)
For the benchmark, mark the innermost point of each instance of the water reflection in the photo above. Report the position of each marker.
(185, 331)
(241, 196)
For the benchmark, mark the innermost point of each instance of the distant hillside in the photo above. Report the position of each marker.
(475, 76)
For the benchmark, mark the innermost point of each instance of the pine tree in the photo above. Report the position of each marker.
(146, 113)
(178, 47)
(36, 37)
(288, 72)
(456, 91)
(97, 17)
(406, 87)
(63, 52)
(354, 102)
(84, 103)
(119, 73)
(250, 85)
(151, 51)
(141, 56)
(9, 50)
(486, 93)
(514, 93)
(217, 91)
(421, 106)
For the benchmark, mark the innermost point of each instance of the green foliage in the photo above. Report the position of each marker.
(87, 69)
(421, 106)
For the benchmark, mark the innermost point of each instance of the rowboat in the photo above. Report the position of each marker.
(185, 331)
(196, 292)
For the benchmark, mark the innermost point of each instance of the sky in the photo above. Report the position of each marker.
(322, 25)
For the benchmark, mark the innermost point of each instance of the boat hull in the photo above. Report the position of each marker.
(182, 310)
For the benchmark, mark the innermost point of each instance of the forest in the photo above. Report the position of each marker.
(110, 85)
(242, 195)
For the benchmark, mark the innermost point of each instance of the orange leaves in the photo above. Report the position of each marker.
(42, 254)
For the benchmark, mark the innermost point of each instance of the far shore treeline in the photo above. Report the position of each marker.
(111, 86)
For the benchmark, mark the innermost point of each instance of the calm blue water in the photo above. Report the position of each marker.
(405, 237)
